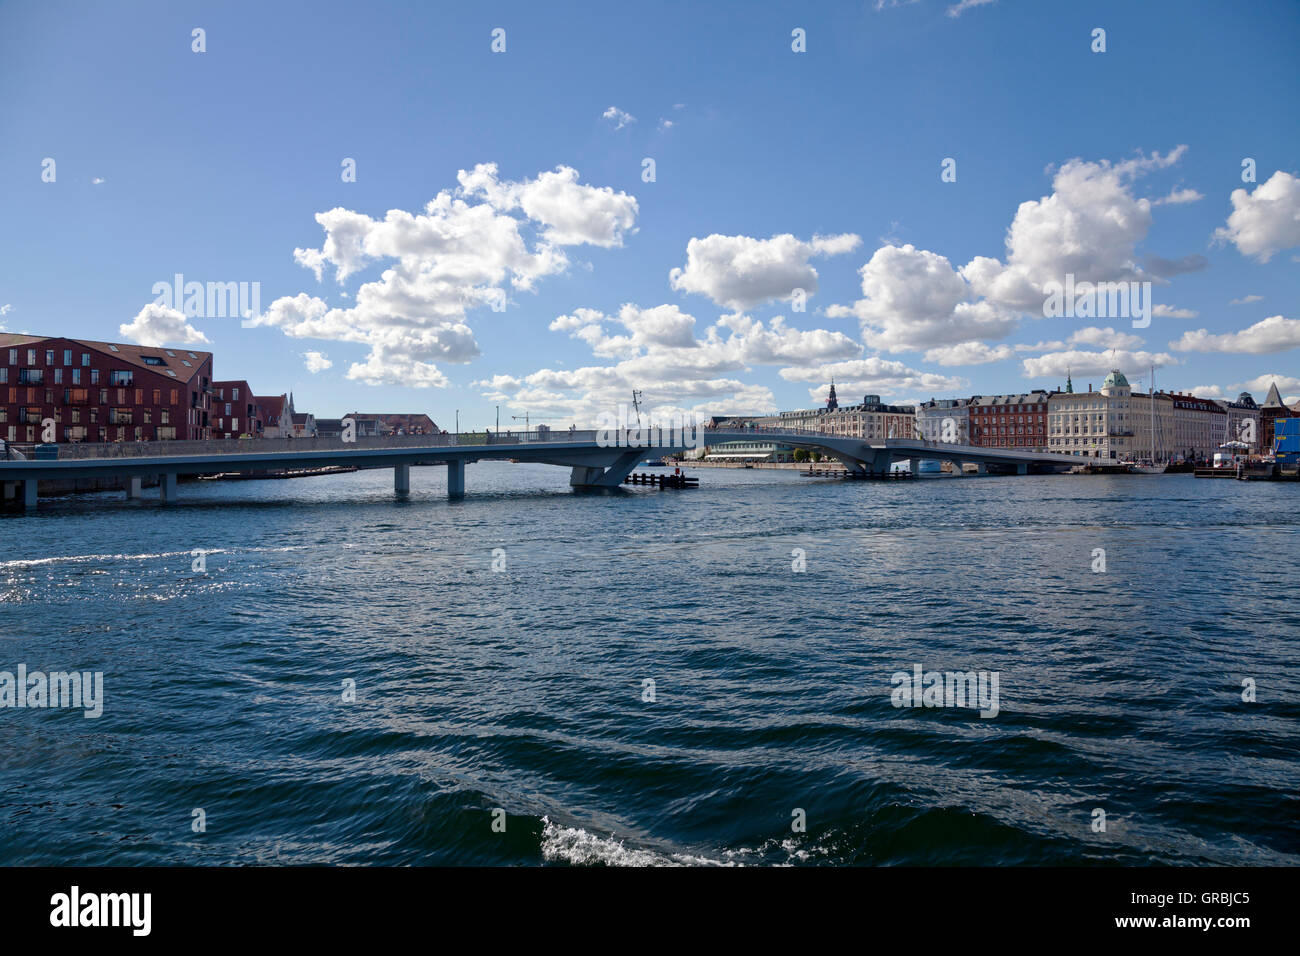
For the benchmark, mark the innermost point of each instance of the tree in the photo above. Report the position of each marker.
(800, 454)
(816, 456)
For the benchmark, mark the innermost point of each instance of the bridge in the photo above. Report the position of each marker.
(596, 459)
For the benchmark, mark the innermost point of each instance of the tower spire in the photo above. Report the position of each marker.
(1069, 385)
(832, 402)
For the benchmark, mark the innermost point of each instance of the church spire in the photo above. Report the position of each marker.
(832, 403)
(1069, 385)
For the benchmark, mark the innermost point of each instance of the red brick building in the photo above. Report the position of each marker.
(1009, 421)
(102, 391)
(236, 411)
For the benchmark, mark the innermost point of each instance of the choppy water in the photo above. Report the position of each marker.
(523, 689)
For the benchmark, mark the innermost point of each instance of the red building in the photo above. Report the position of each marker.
(102, 391)
(236, 411)
(1009, 421)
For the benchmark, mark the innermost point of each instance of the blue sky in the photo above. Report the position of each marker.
(810, 169)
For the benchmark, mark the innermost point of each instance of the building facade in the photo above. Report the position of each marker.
(78, 390)
(236, 411)
(1272, 409)
(932, 420)
(871, 421)
(1010, 421)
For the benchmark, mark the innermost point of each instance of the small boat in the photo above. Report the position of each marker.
(655, 463)
(1149, 468)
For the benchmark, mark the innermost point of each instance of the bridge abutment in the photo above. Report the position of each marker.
(167, 487)
(402, 479)
(456, 478)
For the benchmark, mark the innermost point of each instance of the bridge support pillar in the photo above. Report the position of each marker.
(402, 479)
(456, 478)
(167, 487)
(29, 494)
(611, 476)
(133, 486)
(1022, 469)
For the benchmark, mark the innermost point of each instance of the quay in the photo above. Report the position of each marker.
(663, 481)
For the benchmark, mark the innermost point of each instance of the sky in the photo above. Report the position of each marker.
(539, 207)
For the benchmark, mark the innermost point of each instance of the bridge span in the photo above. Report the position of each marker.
(596, 459)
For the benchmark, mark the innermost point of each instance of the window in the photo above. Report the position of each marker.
(76, 376)
(170, 352)
(227, 408)
(94, 376)
(113, 348)
(85, 359)
(49, 356)
(13, 356)
(165, 416)
(120, 378)
(152, 360)
(157, 396)
(58, 376)
(4, 376)
(30, 376)
(67, 356)
(175, 398)
(186, 363)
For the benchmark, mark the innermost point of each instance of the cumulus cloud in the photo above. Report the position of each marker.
(661, 351)
(969, 353)
(1105, 338)
(874, 375)
(618, 117)
(740, 272)
(1274, 334)
(1076, 362)
(1178, 197)
(467, 248)
(1244, 300)
(6, 309)
(1088, 227)
(1266, 221)
(915, 300)
(157, 325)
(316, 362)
(1173, 312)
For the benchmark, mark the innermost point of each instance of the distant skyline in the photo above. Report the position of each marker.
(432, 208)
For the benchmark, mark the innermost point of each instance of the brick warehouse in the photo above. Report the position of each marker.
(102, 391)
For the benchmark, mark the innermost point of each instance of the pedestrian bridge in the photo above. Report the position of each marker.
(596, 459)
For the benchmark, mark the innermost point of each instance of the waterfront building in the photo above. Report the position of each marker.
(102, 391)
(1272, 409)
(304, 425)
(1092, 424)
(1010, 421)
(1200, 425)
(872, 420)
(930, 417)
(750, 451)
(383, 424)
(277, 415)
(236, 412)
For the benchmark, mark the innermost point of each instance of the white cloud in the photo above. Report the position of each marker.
(467, 248)
(915, 300)
(1088, 227)
(659, 351)
(1173, 312)
(1246, 300)
(665, 125)
(316, 362)
(1261, 383)
(1274, 334)
(1178, 197)
(872, 375)
(158, 325)
(1058, 364)
(740, 272)
(618, 117)
(98, 180)
(969, 353)
(6, 309)
(1265, 221)
(1105, 338)
(957, 9)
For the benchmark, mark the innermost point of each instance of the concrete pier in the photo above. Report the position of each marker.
(167, 487)
(456, 478)
(133, 486)
(402, 479)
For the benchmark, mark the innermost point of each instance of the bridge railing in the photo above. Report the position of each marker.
(81, 451)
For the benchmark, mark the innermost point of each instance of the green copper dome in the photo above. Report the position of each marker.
(1115, 379)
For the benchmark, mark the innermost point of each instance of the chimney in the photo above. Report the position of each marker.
(1090, 386)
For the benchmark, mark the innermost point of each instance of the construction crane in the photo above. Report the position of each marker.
(524, 419)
